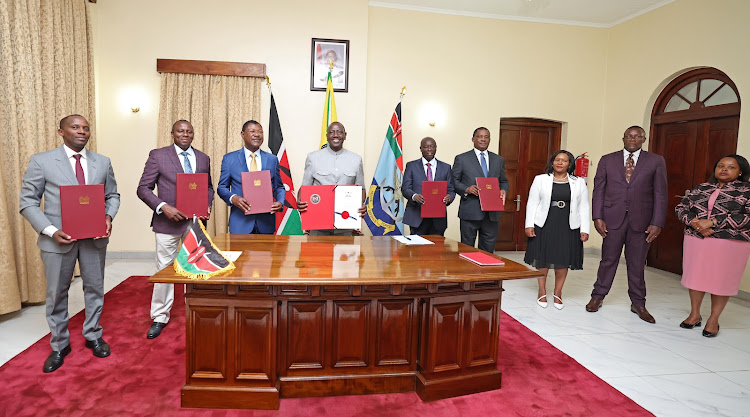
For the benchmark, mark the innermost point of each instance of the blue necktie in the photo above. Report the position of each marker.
(188, 167)
(483, 161)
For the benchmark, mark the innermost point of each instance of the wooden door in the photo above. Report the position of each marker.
(526, 145)
(690, 150)
(694, 122)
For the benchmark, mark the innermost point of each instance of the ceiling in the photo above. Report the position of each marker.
(592, 13)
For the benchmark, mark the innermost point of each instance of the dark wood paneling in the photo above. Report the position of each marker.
(208, 343)
(482, 338)
(394, 332)
(446, 334)
(306, 329)
(184, 66)
(255, 353)
(350, 333)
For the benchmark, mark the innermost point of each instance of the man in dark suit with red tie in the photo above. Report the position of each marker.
(427, 168)
(169, 223)
(629, 206)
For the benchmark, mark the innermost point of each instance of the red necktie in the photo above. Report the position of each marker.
(79, 170)
(429, 172)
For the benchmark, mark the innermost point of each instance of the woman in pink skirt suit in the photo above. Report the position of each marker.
(717, 239)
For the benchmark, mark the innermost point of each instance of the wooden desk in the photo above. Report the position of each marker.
(305, 316)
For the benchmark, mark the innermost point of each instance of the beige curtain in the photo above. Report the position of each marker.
(46, 73)
(217, 106)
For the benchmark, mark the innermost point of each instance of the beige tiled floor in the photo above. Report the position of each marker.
(668, 370)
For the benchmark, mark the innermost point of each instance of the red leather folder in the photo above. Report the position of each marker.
(319, 213)
(481, 258)
(82, 210)
(192, 194)
(489, 194)
(258, 191)
(433, 193)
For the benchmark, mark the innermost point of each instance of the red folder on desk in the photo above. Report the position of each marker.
(192, 194)
(319, 213)
(481, 258)
(82, 210)
(489, 194)
(433, 193)
(258, 191)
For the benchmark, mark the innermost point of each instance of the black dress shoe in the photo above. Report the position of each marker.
(686, 325)
(642, 313)
(706, 333)
(99, 347)
(55, 359)
(155, 330)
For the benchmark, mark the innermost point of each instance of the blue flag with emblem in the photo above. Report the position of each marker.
(384, 202)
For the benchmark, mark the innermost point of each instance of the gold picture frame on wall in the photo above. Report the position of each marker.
(323, 52)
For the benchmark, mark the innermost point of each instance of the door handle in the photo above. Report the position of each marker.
(683, 196)
(518, 202)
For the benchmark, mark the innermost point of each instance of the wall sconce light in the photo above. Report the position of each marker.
(432, 114)
(132, 98)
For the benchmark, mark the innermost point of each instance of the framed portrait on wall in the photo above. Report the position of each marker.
(325, 51)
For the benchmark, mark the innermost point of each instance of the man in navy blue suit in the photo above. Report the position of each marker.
(249, 158)
(426, 168)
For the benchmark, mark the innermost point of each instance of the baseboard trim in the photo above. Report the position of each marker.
(130, 255)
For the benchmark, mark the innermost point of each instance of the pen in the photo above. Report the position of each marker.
(407, 238)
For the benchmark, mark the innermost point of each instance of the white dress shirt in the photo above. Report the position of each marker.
(625, 154)
(486, 158)
(51, 229)
(193, 164)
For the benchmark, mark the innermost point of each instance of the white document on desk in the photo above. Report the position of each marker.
(413, 240)
(347, 199)
(233, 255)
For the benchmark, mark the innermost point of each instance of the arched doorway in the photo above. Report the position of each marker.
(694, 122)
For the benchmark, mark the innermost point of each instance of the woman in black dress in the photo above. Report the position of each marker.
(557, 223)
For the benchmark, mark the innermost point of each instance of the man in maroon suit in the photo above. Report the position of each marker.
(168, 223)
(629, 206)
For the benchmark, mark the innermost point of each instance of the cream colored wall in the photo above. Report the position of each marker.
(130, 35)
(647, 52)
(477, 71)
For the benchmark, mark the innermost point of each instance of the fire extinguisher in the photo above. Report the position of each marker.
(582, 166)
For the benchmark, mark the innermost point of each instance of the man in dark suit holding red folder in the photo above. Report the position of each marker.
(250, 158)
(168, 223)
(478, 162)
(427, 168)
(70, 164)
(629, 206)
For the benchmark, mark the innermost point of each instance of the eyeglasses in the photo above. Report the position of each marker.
(634, 137)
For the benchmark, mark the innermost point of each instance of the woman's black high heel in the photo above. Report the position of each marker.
(706, 333)
(686, 325)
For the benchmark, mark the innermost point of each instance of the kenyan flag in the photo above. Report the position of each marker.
(198, 257)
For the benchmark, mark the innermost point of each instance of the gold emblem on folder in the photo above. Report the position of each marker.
(434, 191)
(488, 186)
(193, 186)
(84, 199)
(256, 183)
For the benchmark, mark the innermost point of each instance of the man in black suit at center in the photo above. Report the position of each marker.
(478, 162)
(426, 168)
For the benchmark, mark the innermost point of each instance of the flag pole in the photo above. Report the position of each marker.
(403, 92)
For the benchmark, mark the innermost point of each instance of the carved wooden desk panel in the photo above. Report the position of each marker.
(306, 316)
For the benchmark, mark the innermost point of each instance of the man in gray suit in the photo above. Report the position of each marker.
(70, 164)
(478, 162)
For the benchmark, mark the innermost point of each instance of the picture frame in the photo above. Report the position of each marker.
(321, 53)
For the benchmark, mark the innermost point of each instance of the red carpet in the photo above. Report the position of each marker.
(143, 377)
